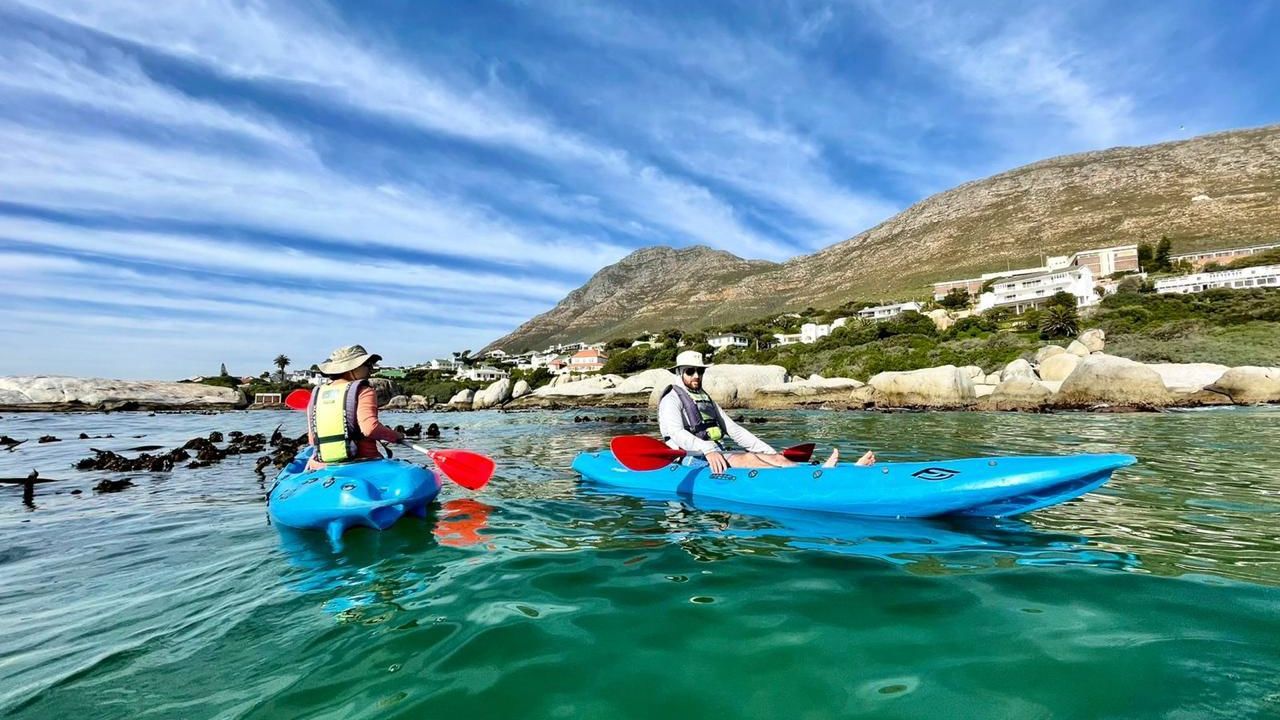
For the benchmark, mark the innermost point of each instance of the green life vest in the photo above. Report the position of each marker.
(700, 413)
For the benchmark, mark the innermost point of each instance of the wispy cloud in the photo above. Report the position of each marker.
(234, 169)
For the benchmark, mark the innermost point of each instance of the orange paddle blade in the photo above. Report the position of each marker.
(298, 399)
(469, 469)
(641, 452)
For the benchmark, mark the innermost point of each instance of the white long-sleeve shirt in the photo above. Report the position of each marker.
(671, 426)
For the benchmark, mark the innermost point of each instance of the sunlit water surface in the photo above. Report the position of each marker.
(1156, 596)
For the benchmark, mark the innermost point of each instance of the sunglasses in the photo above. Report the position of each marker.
(694, 371)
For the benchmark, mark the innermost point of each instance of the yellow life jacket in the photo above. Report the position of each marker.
(332, 419)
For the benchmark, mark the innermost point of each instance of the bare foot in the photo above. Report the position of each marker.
(869, 458)
(835, 458)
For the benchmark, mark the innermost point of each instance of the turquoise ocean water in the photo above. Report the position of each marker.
(1157, 596)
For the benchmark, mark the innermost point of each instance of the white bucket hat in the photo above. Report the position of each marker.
(347, 358)
(689, 358)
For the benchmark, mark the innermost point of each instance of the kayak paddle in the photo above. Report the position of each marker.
(641, 452)
(469, 469)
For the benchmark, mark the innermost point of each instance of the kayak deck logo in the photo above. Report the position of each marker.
(935, 474)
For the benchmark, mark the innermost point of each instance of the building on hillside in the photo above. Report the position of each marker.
(311, 377)
(1101, 262)
(535, 360)
(447, 364)
(1221, 257)
(1262, 276)
(587, 360)
(728, 340)
(884, 312)
(482, 373)
(1024, 292)
(559, 365)
(646, 343)
(787, 338)
(390, 373)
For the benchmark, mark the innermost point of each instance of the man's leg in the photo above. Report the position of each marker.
(758, 460)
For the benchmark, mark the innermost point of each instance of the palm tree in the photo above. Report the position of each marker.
(1059, 321)
(282, 362)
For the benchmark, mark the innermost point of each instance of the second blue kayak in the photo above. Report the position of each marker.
(986, 487)
(372, 494)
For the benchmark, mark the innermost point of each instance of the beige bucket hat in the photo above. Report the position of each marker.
(347, 358)
(689, 358)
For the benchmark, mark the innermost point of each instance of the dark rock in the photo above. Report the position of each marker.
(110, 486)
(145, 448)
(215, 437)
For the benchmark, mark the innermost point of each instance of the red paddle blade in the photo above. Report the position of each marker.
(298, 399)
(799, 453)
(640, 452)
(469, 469)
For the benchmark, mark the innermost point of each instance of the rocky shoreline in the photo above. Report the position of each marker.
(1079, 376)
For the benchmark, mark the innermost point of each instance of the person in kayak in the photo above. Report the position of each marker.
(342, 419)
(690, 420)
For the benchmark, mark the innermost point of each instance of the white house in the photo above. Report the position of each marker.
(483, 373)
(1260, 276)
(587, 360)
(787, 338)
(1024, 292)
(444, 364)
(884, 312)
(307, 376)
(727, 340)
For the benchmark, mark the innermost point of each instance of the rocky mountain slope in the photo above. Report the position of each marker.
(1217, 190)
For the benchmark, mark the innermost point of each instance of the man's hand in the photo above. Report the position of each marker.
(717, 462)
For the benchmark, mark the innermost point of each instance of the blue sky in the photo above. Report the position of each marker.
(186, 184)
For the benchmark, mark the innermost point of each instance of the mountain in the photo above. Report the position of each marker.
(1218, 190)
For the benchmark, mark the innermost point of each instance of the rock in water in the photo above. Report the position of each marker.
(1109, 380)
(1249, 384)
(463, 398)
(946, 386)
(67, 393)
(1058, 367)
(496, 394)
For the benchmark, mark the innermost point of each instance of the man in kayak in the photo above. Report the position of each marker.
(690, 420)
(342, 419)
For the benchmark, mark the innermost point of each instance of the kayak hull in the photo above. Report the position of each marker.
(373, 494)
(982, 487)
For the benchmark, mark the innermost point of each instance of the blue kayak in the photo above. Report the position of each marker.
(372, 494)
(983, 487)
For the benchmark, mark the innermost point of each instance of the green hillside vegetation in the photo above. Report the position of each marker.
(1232, 327)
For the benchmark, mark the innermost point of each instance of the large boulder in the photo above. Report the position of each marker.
(399, 402)
(1047, 352)
(1078, 349)
(815, 385)
(463, 398)
(492, 396)
(974, 372)
(645, 382)
(992, 379)
(946, 386)
(1249, 384)
(1188, 377)
(46, 392)
(1058, 367)
(596, 385)
(1095, 340)
(386, 389)
(736, 385)
(1109, 380)
(1018, 369)
(1019, 392)
(520, 390)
